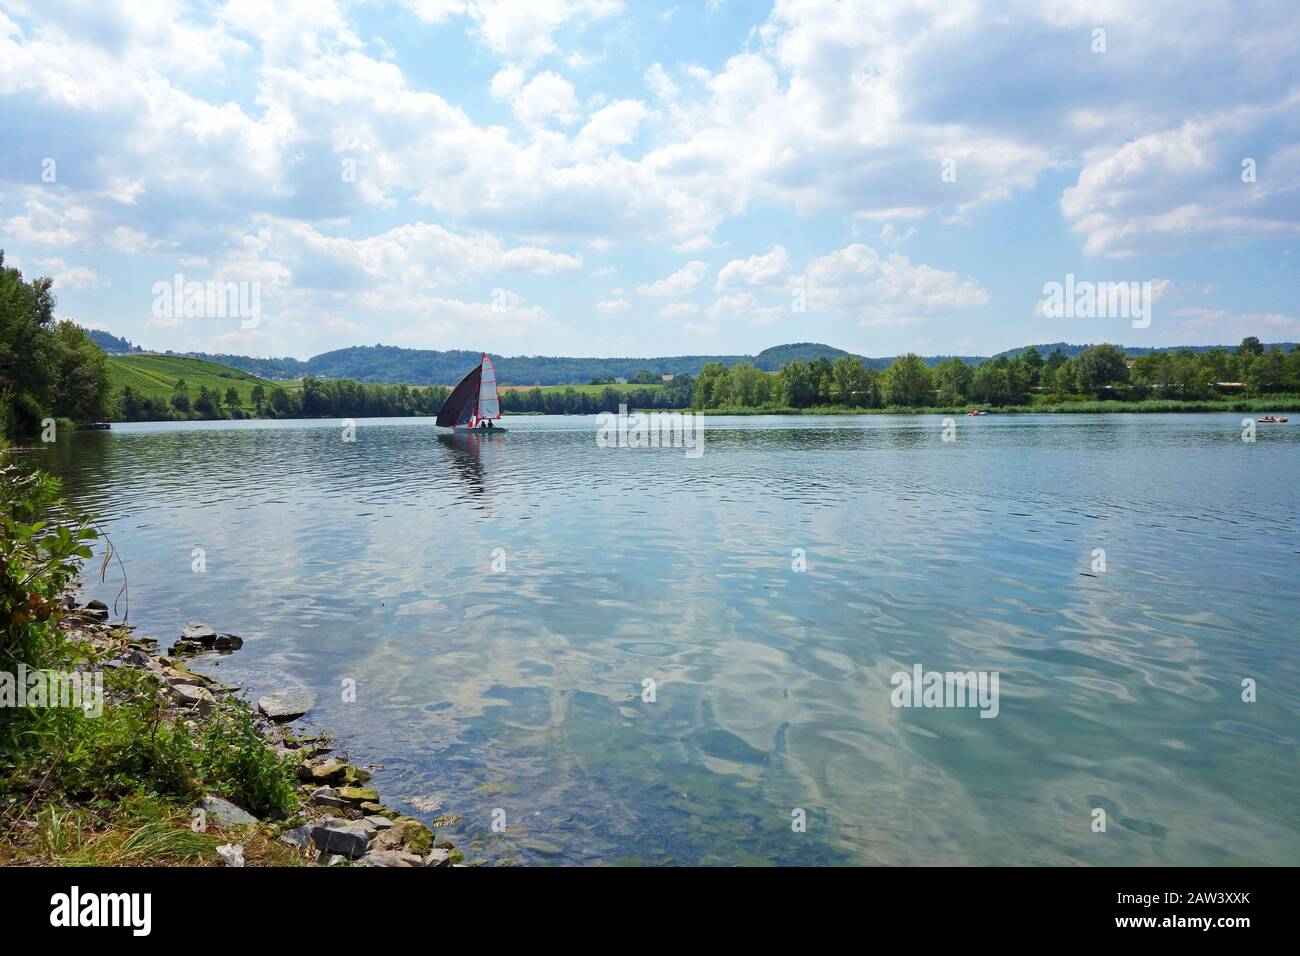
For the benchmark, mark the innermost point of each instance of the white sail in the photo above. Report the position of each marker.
(488, 404)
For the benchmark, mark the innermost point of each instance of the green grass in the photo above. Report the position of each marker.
(156, 376)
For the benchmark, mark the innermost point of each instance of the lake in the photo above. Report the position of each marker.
(504, 603)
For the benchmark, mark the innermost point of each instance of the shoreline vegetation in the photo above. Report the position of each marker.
(52, 375)
(114, 753)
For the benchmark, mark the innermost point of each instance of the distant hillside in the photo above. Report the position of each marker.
(155, 376)
(392, 365)
(110, 343)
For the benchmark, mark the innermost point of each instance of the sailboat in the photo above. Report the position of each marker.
(473, 403)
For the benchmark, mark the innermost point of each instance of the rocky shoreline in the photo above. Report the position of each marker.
(340, 820)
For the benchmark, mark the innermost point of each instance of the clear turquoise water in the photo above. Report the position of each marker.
(521, 689)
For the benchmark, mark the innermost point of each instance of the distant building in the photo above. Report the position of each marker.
(620, 381)
(666, 378)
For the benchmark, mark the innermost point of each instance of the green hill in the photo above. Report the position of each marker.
(155, 376)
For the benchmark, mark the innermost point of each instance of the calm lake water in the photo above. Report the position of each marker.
(521, 689)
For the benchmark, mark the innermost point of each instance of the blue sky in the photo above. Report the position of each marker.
(599, 177)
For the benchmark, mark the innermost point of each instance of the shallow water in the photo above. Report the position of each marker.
(520, 690)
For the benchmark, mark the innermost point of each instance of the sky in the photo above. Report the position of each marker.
(618, 178)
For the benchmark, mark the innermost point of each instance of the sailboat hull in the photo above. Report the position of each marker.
(480, 431)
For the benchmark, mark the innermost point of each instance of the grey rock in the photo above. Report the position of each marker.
(348, 841)
(226, 812)
(378, 822)
(328, 797)
(298, 836)
(189, 695)
(97, 605)
(185, 649)
(390, 858)
(201, 633)
(438, 857)
(232, 853)
(286, 704)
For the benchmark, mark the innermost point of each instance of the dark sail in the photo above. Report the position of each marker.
(462, 403)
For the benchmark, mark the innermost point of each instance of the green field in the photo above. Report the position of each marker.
(156, 376)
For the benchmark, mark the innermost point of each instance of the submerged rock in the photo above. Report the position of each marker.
(228, 642)
(286, 704)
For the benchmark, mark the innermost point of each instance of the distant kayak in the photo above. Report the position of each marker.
(1272, 420)
(974, 412)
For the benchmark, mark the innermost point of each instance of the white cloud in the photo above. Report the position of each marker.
(66, 276)
(856, 281)
(547, 96)
(1183, 188)
(682, 281)
(613, 306)
(678, 310)
(767, 269)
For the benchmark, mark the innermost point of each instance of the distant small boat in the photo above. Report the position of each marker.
(975, 411)
(473, 404)
(1272, 420)
(98, 426)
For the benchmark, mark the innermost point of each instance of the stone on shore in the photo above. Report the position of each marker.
(410, 835)
(299, 836)
(359, 794)
(228, 642)
(328, 797)
(232, 853)
(190, 695)
(438, 857)
(226, 812)
(391, 858)
(286, 704)
(345, 840)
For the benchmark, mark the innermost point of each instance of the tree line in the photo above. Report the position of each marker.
(1101, 372)
(317, 398)
(48, 368)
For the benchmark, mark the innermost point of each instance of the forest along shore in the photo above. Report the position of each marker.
(302, 805)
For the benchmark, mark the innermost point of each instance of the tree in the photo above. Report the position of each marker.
(706, 385)
(258, 396)
(232, 398)
(1250, 346)
(953, 377)
(1099, 366)
(794, 385)
(908, 382)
